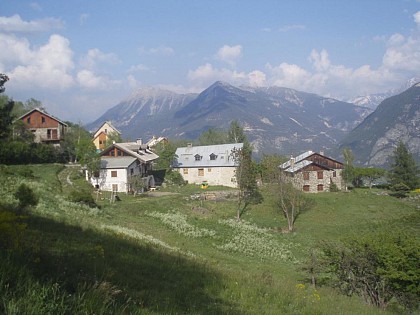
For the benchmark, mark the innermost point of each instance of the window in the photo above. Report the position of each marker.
(114, 187)
(197, 157)
(43, 120)
(185, 171)
(320, 187)
(209, 170)
(131, 171)
(213, 156)
(334, 174)
(113, 173)
(306, 175)
(201, 172)
(320, 174)
(28, 120)
(305, 187)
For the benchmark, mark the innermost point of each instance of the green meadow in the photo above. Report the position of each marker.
(172, 252)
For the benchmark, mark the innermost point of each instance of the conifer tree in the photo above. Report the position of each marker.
(403, 168)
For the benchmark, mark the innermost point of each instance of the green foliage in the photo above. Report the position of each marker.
(246, 178)
(380, 266)
(174, 178)
(403, 168)
(334, 187)
(6, 117)
(166, 152)
(268, 168)
(291, 202)
(348, 172)
(26, 196)
(113, 137)
(236, 133)
(400, 190)
(83, 196)
(12, 227)
(213, 136)
(366, 174)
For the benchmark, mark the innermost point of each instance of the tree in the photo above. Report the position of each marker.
(290, 201)
(403, 168)
(379, 266)
(269, 167)
(113, 137)
(246, 179)
(166, 152)
(6, 108)
(213, 136)
(368, 174)
(26, 196)
(348, 171)
(236, 133)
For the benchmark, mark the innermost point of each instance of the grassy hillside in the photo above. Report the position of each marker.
(171, 254)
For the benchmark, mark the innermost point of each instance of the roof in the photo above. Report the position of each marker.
(140, 152)
(110, 124)
(222, 154)
(43, 113)
(297, 159)
(301, 161)
(117, 162)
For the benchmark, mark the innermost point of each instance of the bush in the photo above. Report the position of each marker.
(174, 178)
(400, 190)
(381, 267)
(82, 196)
(334, 187)
(26, 196)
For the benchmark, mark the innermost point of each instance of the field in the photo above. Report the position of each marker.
(169, 253)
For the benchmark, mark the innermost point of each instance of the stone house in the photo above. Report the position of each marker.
(44, 127)
(121, 164)
(212, 164)
(313, 172)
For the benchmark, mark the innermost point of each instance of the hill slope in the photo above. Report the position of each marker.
(395, 119)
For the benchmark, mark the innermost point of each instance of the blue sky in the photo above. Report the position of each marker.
(80, 57)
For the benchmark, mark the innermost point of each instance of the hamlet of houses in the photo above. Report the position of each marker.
(122, 162)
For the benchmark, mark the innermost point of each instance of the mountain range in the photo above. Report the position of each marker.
(275, 119)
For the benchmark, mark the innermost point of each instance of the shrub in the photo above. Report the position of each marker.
(26, 196)
(380, 267)
(174, 178)
(400, 190)
(334, 187)
(82, 196)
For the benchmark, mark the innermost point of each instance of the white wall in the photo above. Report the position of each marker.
(224, 176)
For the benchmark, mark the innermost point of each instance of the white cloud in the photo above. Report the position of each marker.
(95, 56)
(257, 78)
(87, 79)
(229, 54)
(138, 68)
(49, 66)
(16, 24)
(320, 60)
(417, 18)
(161, 50)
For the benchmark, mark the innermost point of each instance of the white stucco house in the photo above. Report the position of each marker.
(123, 163)
(213, 164)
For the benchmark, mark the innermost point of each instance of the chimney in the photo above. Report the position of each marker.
(321, 152)
(292, 161)
(189, 145)
(139, 141)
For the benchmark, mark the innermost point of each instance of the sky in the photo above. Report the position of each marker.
(81, 57)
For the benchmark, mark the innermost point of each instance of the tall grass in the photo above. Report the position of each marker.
(157, 255)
